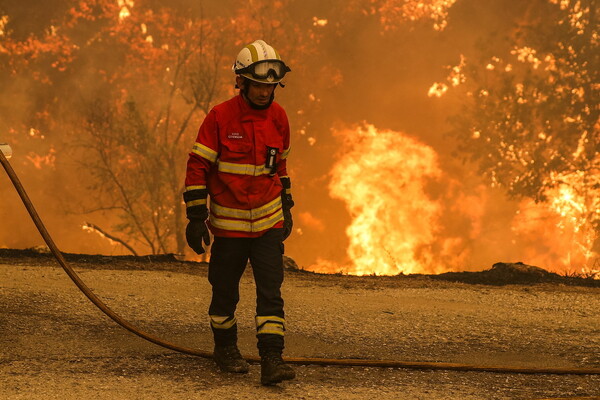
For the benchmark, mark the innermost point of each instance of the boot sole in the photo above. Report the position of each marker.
(235, 370)
(277, 379)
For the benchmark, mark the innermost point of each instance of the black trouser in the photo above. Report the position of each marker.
(228, 260)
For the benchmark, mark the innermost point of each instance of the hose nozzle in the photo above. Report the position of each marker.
(6, 150)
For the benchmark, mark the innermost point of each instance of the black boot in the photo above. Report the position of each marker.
(226, 354)
(272, 368)
(229, 359)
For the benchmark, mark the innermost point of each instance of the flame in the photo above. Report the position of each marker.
(455, 77)
(125, 6)
(124, 13)
(562, 227)
(3, 22)
(438, 89)
(319, 21)
(436, 10)
(382, 178)
(41, 161)
(89, 228)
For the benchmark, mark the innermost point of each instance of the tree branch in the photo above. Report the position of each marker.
(102, 232)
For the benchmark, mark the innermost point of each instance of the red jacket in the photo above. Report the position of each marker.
(229, 159)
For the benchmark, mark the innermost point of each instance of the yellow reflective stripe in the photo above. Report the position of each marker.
(222, 322)
(205, 152)
(270, 324)
(193, 203)
(252, 214)
(246, 226)
(288, 191)
(253, 52)
(261, 319)
(197, 187)
(243, 169)
(285, 153)
(273, 329)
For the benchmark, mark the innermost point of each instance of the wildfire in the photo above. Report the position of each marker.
(41, 161)
(3, 22)
(319, 21)
(113, 240)
(455, 77)
(382, 178)
(91, 228)
(436, 10)
(397, 227)
(125, 6)
(563, 226)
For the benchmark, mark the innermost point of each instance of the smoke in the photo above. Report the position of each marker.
(408, 215)
(345, 71)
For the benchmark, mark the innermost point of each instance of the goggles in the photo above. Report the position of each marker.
(263, 69)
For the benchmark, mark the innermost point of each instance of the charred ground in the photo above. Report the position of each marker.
(500, 273)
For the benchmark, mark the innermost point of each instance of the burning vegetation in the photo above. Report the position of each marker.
(382, 178)
(108, 94)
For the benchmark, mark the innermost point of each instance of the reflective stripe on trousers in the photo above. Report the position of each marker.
(228, 260)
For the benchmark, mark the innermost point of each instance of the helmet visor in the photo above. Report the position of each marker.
(263, 69)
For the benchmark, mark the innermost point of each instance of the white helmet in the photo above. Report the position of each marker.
(261, 63)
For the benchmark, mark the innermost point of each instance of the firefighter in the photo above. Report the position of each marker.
(238, 163)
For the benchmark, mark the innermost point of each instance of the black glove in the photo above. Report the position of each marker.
(288, 223)
(286, 204)
(196, 232)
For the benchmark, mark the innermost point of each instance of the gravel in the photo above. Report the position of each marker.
(55, 344)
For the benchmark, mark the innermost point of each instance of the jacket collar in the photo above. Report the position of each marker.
(249, 113)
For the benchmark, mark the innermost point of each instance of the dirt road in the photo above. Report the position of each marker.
(54, 344)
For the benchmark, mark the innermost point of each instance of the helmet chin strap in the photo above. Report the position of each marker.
(254, 105)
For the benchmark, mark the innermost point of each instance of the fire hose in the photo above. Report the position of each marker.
(299, 360)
